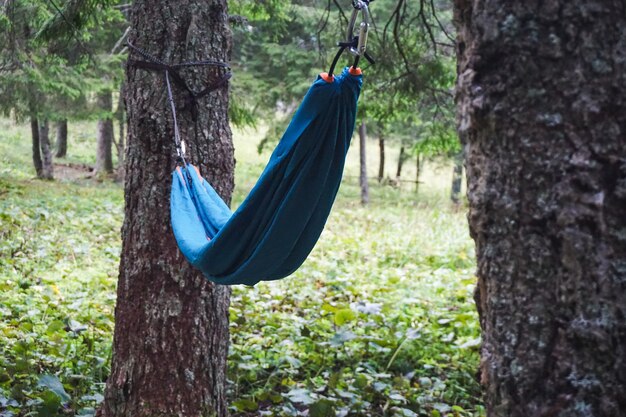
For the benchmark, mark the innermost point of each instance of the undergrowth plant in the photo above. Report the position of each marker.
(379, 321)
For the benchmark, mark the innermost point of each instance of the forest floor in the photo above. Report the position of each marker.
(379, 321)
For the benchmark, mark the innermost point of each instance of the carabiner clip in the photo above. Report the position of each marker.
(364, 26)
(356, 45)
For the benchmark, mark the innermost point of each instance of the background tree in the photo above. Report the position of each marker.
(104, 135)
(541, 112)
(171, 324)
(61, 138)
(52, 60)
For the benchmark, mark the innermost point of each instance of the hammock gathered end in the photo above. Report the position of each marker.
(275, 228)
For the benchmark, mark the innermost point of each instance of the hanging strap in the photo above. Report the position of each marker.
(171, 73)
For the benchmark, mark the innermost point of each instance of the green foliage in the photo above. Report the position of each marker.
(411, 83)
(378, 322)
(49, 67)
(59, 252)
(72, 16)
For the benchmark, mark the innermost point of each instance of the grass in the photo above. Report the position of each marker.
(379, 321)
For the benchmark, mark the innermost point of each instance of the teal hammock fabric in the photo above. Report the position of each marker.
(275, 228)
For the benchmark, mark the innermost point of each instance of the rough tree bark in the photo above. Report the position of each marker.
(61, 140)
(365, 190)
(47, 168)
(542, 117)
(34, 131)
(381, 161)
(104, 135)
(171, 324)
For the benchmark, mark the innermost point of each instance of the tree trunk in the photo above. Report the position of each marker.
(542, 117)
(365, 192)
(61, 142)
(418, 172)
(119, 145)
(457, 176)
(401, 159)
(104, 136)
(47, 171)
(381, 161)
(171, 324)
(34, 131)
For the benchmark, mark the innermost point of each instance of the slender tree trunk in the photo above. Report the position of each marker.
(47, 171)
(104, 135)
(119, 145)
(457, 177)
(37, 162)
(61, 142)
(365, 191)
(401, 159)
(381, 161)
(171, 324)
(542, 117)
(418, 172)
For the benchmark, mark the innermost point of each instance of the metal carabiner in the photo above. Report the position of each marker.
(362, 7)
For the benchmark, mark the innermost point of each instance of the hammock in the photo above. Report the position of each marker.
(275, 228)
(272, 232)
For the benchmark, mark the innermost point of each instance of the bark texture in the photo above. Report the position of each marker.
(47, 169)
(37, 162)
(542, 117)
(61, 140)
(171, 324)
(365, 190)
(104, 135)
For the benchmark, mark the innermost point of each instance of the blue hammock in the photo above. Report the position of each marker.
(275, 228)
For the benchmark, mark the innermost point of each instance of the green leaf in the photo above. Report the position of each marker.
(343, 316)
(244, 404)
(322, 408)
(54, 384)
(49, 405)
(55, 327)
(300, 395)
(342, 337)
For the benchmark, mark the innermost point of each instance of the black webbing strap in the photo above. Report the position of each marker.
(342, 47)
(171, 72)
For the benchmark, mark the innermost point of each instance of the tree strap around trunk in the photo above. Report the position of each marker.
(171, 72)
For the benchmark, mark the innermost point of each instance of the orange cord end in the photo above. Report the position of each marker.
(355, 71)
(327, 78)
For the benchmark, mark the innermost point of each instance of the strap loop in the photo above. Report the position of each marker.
(171, 72)
(355, 44)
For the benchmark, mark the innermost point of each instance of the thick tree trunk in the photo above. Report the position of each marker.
(171, 324)
(61, 141)
(37, 162)
(104, 135)
(47, 171)
(457, 178)
(365, 191)
(542, 116)
(401, 159)
(381, 160)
